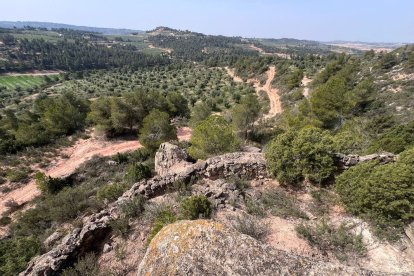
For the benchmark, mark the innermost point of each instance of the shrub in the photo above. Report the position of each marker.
(110, 192)
(382, 193)
(16, 253)
(49, 184)
(254, 207)
(407, 157)
(327, 238)
(281, 204)
(213, 136)
(120, 158)
(133, 207)
(140, 155)
(163, 218)
(395, 140)
(240, 184)
(5, 221)
(85, 266)
(251, 226)
(18, 175)
(137, 172)
(194, 207)
(120, 226)
(322, 201)
(306, 154)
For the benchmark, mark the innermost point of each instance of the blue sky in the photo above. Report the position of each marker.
(324, 20)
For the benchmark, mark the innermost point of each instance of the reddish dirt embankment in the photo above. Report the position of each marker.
(82, 151)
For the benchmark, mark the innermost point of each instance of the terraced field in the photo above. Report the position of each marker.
(20, 82)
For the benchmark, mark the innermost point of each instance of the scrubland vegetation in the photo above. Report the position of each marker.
(352, 108)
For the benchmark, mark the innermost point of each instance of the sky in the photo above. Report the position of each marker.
(322, 20)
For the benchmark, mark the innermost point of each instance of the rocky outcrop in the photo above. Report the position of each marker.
(345, 161)
(76, 243)
(170, 157)
(247, 165)
(204, 247)
(243, 164)
(409, 231)
(95, 227)
(220, 192)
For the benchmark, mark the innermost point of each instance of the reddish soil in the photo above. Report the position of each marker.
(184, 134)
(233, 75)
(305, 83)
(272, 93)
(82, 151)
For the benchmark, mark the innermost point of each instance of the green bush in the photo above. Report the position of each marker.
(137, 172)
(407, 157)
(110, 192)
(49, 184)
(395, 140)
(140, 155)
(298, 155)
(213, 136)
(133, 207)
(16, 253)
(120, 226)
(251, 226)
(337, 240)
(382, 193)
(195, 207)
(163, 218)
(156, 130)
(281, 204)
(85, 266)
(18, 175)
(5, 221)
(120, 158)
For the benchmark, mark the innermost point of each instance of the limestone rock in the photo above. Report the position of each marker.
(346, 161)
(205, 247)
(169, 158)
(409, 231)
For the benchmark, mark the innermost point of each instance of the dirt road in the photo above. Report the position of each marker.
(82, 151)
(272, 93)
(232, 74)
(305, 83)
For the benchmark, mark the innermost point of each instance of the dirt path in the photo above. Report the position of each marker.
(260, 50)
(232, 74)
(305, 83)
(80, 152)
(272, 93)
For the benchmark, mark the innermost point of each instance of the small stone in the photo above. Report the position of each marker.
(107, 248)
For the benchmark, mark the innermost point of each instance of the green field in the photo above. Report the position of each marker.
(24, 82)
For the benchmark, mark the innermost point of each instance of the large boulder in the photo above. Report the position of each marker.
(205, 247)
(169, 158)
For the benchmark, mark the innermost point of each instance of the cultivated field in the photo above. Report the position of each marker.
(24, 82)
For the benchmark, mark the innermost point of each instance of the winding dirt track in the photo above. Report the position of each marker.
(305, 83)
(80, 152)
(272, 93)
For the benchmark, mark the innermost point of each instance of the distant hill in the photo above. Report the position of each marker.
(365, 46)
(48, 25)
